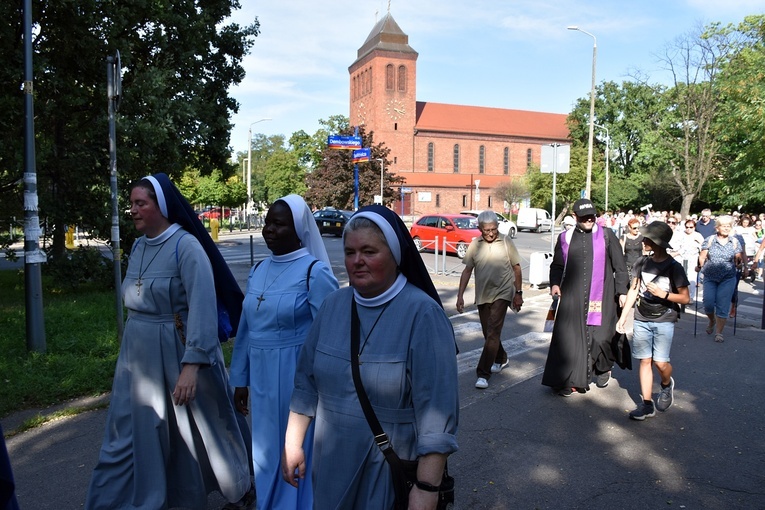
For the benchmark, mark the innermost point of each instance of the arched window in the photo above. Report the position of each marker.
(489, 202)
(506, 161)
(390, 77)
(481, 159)
(402, 78)
(456, 158)
(431, 156)
(528, 158)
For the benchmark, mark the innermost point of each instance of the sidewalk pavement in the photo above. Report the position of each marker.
(522, 446)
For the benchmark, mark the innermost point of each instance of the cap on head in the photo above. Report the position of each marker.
(658, 232)
(584, 207)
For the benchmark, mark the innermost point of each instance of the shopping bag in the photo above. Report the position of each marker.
(551, 313)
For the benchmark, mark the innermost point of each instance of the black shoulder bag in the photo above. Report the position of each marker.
(651, 309)
(403, 472)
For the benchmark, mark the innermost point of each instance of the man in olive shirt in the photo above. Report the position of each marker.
(498, 280)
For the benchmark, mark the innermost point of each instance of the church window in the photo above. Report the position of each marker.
(506, 162)
(464, 201)
(456, 158)
(438, 200)
(528, 158)
(488, 203)
(481, 159)
(431, 156)
(390, 77)
(402, 78)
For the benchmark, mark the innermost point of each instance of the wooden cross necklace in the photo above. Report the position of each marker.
(261, 298)
(142, 270)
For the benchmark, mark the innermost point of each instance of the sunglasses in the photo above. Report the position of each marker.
(671, 223)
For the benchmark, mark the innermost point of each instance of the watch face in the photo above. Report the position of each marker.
(395, 109)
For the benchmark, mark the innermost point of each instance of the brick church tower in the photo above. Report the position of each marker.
(383, 91)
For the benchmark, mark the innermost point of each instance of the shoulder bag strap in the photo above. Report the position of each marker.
(381, 438)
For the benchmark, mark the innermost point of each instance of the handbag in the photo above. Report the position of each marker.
(403, 472)
(551, 314)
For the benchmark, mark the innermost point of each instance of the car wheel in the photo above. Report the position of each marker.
(512, 233)
(536, 230)
(461, 249)
(417, 243)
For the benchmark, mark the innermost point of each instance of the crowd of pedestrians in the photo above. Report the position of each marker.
(669, 259)
(334, 378)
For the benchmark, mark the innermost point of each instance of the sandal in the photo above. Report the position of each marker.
(710, 328)
(719, 338)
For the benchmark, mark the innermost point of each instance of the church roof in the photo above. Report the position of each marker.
(479, 120)
(388, 36)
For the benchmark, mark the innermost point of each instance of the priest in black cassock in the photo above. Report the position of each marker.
(589, 274)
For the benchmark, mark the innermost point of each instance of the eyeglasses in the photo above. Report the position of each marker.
(671, 223)
(689, 226)
(634, 228)
(589, 217)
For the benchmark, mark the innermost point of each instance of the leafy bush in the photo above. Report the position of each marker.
(83, 265)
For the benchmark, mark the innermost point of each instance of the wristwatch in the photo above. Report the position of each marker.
(519, 292)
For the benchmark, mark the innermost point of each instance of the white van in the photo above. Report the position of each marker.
(533, 219)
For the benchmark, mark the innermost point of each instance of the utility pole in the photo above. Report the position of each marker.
(114, 94)
(33, 256)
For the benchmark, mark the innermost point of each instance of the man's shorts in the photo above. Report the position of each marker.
(652, 340)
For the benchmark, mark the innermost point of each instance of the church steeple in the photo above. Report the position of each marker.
(386, 36)
(383, 89)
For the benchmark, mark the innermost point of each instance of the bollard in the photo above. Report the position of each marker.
(214, 225)
(69, 236)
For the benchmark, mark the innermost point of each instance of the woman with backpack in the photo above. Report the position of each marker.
(720, 254)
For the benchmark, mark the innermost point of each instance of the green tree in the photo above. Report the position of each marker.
(284, 176)
(629, 111)
(331, 182)
(687, 130)
(179, 61)
(741, 122)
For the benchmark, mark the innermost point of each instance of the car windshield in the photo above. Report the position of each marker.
(466, 223)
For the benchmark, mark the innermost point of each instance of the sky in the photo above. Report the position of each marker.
(515, 54)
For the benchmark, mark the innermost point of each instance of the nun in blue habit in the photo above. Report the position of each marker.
(407, 365)
(172, 435)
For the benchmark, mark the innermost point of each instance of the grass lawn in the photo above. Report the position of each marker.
(81, 342)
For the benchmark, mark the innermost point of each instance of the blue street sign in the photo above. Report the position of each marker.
(360, 155)
(344, 142)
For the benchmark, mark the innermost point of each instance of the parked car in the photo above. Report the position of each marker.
(458, 229)
(505, 227)
(331, 220)
(215, 212)
(533, 219)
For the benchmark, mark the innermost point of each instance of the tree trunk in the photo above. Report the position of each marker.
(685, 208)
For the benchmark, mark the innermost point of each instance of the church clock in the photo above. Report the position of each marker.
(395, 109)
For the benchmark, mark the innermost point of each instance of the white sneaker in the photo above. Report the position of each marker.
(481, 383)
(497, 367)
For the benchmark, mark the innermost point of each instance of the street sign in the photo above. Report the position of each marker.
(344, 142)
(549, 156)
(361, 155)
(406, 190)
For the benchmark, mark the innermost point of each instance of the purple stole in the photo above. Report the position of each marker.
(595, 306)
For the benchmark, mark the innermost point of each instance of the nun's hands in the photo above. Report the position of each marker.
(186, 387)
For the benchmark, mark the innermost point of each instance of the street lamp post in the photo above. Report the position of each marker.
(248, 207)
(608, 147)
(592, 108)
(382, 173)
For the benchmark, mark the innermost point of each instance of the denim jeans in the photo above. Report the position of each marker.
(718, 296)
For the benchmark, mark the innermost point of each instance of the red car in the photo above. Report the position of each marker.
(458, 229)
(215, 213)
